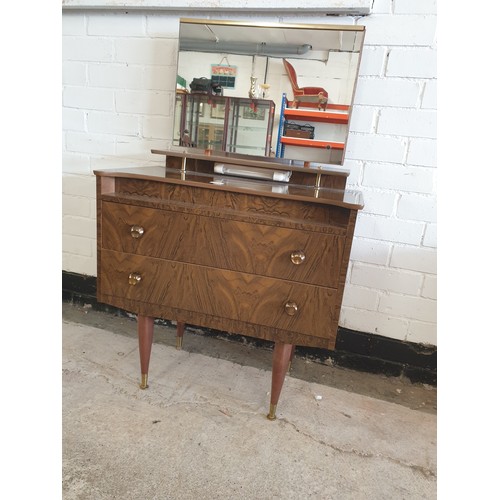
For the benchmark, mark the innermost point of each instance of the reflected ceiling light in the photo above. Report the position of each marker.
(245, 48)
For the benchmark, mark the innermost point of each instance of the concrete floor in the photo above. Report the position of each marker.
(200, 432)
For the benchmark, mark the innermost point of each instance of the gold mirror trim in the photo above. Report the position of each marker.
(332, 27)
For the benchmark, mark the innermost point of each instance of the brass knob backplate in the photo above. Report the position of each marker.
(134, 278)
(136, 231)
(297, 257)
(291, 308)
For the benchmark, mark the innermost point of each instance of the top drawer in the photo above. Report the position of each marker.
(266, 250)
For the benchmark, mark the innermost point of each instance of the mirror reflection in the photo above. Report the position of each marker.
(269, 90)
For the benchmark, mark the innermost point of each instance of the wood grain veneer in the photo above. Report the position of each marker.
(226, 244)
(218, 292)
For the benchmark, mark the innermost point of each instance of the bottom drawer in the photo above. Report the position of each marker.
(259, 300)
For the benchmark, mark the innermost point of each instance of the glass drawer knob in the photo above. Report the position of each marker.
(134, 278)
(297, 257)
(136, 231)
(291, 308)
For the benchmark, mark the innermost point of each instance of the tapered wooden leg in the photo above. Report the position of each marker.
(180, 334)
(145, 331)
(292, 352)
(281, 359)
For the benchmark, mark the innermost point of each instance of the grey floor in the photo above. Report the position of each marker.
(199, 431)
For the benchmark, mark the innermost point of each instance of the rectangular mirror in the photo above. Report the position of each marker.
(266, 90)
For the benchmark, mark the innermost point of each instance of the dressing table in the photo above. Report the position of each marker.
(252, 257)
(250, 245)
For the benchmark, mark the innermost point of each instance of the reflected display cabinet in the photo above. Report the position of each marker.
(232, 124)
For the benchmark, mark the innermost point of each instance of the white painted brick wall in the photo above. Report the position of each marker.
(414, 63)
(404, 30)
(412, 7)
(430, 236)
(414, 258)
(417, 207)
(422, 152)
(363, 119)
(408, 122)
(399, 177)
(371, 251)
(389, 279)
(74, 119)
(84, 48)
(390, 229)
(429, 289)
(117, 94)
(429, 99)
(76, 163)
(397, 248)
(372, 147)
(380, 323)
(373, 61)
(381, 92)
(116, 76)
(88, 98)
(379, 202)
(76, 206)
(409, 307)
(112, 123)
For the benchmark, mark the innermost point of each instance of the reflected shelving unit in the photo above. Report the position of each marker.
(330, 139)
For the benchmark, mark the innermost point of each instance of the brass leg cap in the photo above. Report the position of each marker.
(272, 412)
(179, 343)
(144, 381)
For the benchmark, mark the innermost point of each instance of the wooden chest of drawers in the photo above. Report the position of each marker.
(247, 257)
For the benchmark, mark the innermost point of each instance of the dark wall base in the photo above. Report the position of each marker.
(355, 350)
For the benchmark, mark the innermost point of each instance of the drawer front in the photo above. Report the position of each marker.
(266, 250)
(274, 303)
